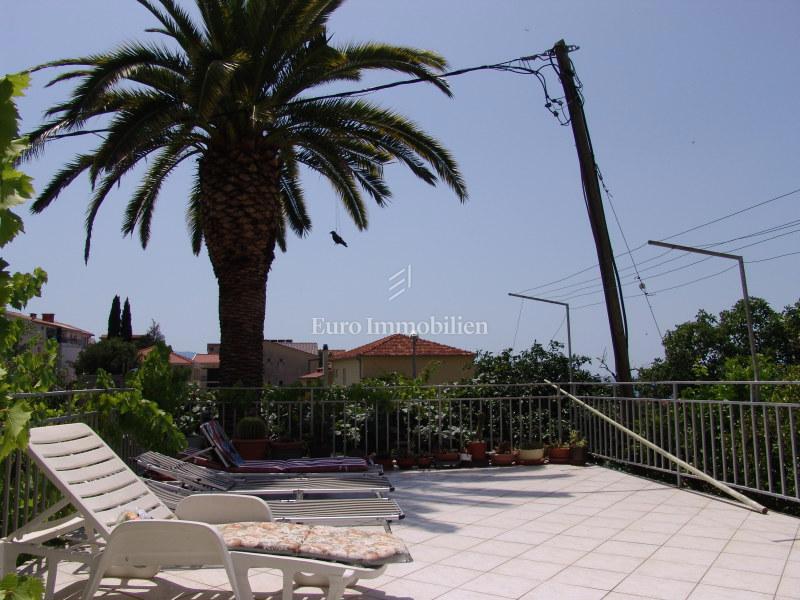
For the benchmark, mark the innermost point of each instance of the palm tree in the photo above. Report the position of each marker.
(233, 92)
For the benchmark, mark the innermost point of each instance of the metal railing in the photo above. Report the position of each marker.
(751, 446)
(748, 445)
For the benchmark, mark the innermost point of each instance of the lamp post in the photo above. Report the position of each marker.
(569, 331)
(745, 297)
(414, 338)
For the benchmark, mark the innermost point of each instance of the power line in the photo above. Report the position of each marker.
(674, 287)
(594, 285)
(772, 257)
(687, 283)
(695, 228)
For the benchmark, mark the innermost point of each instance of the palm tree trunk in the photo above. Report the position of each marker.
(241, 209)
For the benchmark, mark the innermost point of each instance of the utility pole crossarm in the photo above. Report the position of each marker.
(693, 249)
(538, 299)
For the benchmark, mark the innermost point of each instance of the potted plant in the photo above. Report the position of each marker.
(531, 452)
(503, 455)
(283, 449)
(447, 457)
(558, 454)
(577, 448)
(405, 459)
(251, 438)
(385, 459)
(477, 447)
(425, 460)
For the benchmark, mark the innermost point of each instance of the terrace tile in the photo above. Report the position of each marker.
(552, 533)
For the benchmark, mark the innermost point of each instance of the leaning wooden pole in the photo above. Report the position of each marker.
(752, 504)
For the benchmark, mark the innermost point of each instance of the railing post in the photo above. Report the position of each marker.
(678, 478)
(558, 414)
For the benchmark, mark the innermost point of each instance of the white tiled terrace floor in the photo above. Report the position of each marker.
(544, 532)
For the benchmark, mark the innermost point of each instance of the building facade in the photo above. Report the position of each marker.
(71, 340)
(402, 354)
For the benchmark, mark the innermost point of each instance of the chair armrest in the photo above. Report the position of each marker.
(223, 508)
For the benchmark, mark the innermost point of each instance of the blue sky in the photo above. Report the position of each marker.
(692, 108)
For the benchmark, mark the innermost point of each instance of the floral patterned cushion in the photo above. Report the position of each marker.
(340, 544)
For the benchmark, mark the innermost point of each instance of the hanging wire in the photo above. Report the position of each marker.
(556, 332)
(519, 317)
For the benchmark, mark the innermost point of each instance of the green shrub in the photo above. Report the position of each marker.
(251, 428)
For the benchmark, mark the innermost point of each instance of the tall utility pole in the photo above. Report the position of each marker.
(597, 217)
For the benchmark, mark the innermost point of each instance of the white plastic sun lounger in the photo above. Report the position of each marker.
(298, 485)
(100, 487)
(334, 511)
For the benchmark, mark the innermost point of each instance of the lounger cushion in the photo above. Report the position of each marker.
(341, 544)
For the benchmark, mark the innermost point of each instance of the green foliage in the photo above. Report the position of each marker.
(251, 428)
(532, 365)
(15, 430)
(112, 355)
(201, 405)
(151, 337)
(19, 587)
(114, 320)
(126, 329)
(700, 349)
(134, 416)
(576, 439)
(160, 382)
(21, 369)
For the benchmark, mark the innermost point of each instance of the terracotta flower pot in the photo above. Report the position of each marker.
(477, 450)
(406, 462)
(386, 463)
(577, 456)
(502, 460)
(285, 450)
(425, 462)
(559, 455)
(251, 449)
(447, 456)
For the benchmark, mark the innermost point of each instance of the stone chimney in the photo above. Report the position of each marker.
(34, 316)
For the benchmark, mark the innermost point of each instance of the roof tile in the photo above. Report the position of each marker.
(402, 345)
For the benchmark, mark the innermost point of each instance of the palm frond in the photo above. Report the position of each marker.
(292, 197)
(194, 217)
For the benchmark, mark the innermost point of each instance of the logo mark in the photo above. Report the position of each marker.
(400, 282)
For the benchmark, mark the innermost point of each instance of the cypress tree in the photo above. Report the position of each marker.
(126, 331)
(114, 319)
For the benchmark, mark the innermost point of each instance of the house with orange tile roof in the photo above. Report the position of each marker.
(402, 354)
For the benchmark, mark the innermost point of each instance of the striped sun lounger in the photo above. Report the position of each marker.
(201, 478)
(336, 511)
(233, 461)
